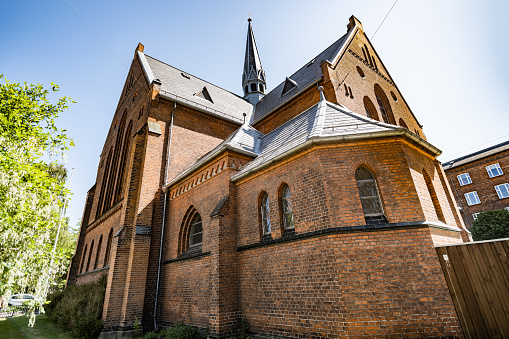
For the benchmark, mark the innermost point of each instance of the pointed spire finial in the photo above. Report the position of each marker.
(322, 96)
(253, 76)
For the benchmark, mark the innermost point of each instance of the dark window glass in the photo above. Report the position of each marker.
(368, 192)
(286, 200)
(265, 211)
(196, 231)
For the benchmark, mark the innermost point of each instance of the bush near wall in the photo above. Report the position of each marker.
(491, 225)
(79, 309)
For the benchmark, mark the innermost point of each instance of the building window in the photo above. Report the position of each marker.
(196, 232)
(192, 231)
(89, 256)
(107, 254)
(434, 197)
(286, 202)
(83, 259)
(494, 170)
(370, 109)
(253, 87)
(98, 252)
(265, 213)
(385, 107)
(261, 88)
(370, 199)
(475, 216)
(502, 190)
(472, 198)
(464, 179)
(402, 123)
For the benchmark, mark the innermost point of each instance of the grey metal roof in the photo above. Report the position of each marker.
(184, 86)
(504, 146)
(323, 120)
(304, 77)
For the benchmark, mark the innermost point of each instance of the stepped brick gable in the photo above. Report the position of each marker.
(311, 210)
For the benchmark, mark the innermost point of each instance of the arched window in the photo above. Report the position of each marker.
(110, 191)
(370, 109)
(89, 256)
(385, 107)
(98, 252)
(83, 258)
(370, 199)
(402, 123)
(107, 254)
(369, 55)
(253, 87)
(104, 183)
(191, 236)
(286, 207)
(261, 88)
(433, 195)
(123, 163)
(346, 89)
(265, 213)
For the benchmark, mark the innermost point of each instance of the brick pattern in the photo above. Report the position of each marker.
(481, 183)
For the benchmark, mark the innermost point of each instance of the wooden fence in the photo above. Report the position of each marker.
(478, 278)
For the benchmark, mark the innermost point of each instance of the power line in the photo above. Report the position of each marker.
(471, 148)
(384, 19)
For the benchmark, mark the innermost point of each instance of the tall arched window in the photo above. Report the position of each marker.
(110, 191)
(385, 107)
(286, 207)
(433, 195)
(123, 163)
(104, 184)
(107, 254)
(370, 198)
(402, 123)
(98, 252)
(89, 256)
(83, 258)
(265, 213)
(370, 109)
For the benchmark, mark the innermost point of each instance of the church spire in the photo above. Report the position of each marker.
(253, 76)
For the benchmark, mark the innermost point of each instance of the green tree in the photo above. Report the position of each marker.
(491, 225)
(32, 191)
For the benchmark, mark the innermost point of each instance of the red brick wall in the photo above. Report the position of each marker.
(386, 283)
(481, 183)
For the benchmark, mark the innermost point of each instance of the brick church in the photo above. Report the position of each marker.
(311, 210)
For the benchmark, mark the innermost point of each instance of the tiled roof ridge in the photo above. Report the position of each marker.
(178, 69)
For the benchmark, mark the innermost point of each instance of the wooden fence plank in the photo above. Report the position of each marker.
(477, 275)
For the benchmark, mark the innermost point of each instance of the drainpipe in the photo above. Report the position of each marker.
(165, 190)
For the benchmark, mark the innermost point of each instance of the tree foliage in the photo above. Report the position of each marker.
(32, 190)
(491, 225)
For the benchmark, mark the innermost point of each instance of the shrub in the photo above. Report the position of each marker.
(180, 331)
(79, 309)
(491, 225)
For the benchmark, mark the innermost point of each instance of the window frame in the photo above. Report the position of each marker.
(498, 190)
(460, 181)
(287, 208)
(474, 215)
(494, 166)
(193, 224)
(377, 191)
(265, 214)
(468, 199)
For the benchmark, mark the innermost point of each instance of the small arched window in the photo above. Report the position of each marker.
(107, 254)
(98, 252)
(195, 232)
(89, 256)
(287, 208)
(83, 258)
(370, 109)
(261, 88)
(402, 123)
(253, 87)
(265, 213)
(370, 198)
(433, 195)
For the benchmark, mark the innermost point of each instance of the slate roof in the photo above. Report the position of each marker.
(323, 120)
(504, 146)
(305, 76)
(184, 86)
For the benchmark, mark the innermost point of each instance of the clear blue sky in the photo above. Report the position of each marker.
(449, 58)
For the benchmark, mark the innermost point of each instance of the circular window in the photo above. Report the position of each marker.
(394, 96)
(360, 71)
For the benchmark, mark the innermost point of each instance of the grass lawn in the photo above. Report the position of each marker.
(17, 327)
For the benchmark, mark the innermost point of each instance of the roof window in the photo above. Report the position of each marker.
(204, 94)
(289, 85)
